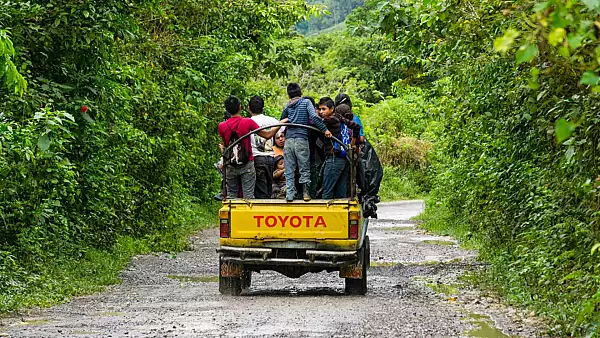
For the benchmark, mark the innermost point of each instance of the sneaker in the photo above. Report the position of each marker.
(306, 192)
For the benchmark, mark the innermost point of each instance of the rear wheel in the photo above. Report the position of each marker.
(231, 286)
(246, 279)
(368, 251)
(359, 286)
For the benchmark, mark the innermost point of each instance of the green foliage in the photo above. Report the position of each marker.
(115, 136)
(403, 184)
(336, 12)
(515, 151)
(8, 71)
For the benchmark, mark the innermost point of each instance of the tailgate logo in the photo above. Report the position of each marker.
(294, 221)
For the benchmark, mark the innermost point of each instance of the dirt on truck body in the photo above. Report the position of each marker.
(292, 239)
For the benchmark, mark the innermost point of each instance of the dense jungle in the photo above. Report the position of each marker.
(487, 109)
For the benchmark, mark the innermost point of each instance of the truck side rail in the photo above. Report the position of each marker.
(346, 147)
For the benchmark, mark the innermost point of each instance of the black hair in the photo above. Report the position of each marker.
(326, 101)
(310, 98)
(256, 105)
(277, 159)
(294, 90)
(233, 104)
(344, 111)
(342, 98)
(226, 116)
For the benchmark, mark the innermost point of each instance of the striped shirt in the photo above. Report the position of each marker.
(301, 111)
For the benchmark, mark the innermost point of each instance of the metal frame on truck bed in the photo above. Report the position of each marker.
(293, 238)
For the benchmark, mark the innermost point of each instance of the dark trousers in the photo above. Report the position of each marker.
(335, 178)
(263, 189)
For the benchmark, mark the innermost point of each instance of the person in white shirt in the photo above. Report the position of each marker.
(262, 150)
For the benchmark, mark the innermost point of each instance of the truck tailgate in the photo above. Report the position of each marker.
(276, 219)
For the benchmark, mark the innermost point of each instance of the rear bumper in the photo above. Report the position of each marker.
(270, 256)
(312, 244)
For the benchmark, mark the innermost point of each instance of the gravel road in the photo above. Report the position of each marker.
(414, 291)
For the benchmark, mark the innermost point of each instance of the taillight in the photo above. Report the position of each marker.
(353, 220)
(224, 223)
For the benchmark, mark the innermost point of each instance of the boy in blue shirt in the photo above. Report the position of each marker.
(296, 152)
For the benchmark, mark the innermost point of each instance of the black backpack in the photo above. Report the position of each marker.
(238, 155)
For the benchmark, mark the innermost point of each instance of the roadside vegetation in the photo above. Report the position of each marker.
(489, 109)
(108, 115)
(510, 92)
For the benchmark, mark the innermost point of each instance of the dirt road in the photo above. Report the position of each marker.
(414, 291)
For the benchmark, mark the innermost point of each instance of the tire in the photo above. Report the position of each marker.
(230, 286)
(246, 279)
(359, 286)
(368, 251)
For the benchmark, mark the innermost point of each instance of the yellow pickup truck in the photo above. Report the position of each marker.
(293, 239)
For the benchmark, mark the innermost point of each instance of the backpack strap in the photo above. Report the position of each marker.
(234, 129)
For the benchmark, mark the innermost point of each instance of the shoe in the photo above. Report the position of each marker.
(289, 200)
(306, 192)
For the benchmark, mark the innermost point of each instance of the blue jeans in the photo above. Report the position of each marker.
(295, 154)
(335, 178)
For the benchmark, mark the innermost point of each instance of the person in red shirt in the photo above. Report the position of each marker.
(241, 173)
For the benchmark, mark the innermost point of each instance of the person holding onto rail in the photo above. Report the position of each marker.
(345, 99)
(262, 150)
(335, 172)
(239, 160)
(296, 151)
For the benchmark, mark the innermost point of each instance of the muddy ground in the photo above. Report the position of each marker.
(414, 291)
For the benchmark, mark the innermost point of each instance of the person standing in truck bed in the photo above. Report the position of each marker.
(335, 173)
(296, 151)
(241, 171)
(262, 149)
(345, 99)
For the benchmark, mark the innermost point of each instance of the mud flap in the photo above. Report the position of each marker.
(354, 271)
(229, 269)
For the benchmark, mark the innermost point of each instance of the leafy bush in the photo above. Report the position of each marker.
(404, 152)
(515, 131)
(403, 184)
(115, 137)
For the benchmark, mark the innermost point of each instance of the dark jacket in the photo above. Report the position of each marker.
(333, 123)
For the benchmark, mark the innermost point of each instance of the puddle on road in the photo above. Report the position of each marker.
(34, 322)
(383, 264)
(447, 289)
(422, 263)
(452, 289)
(439, 242)
(111, 314)
(484, 327)
(195, 279)
(399, 228)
